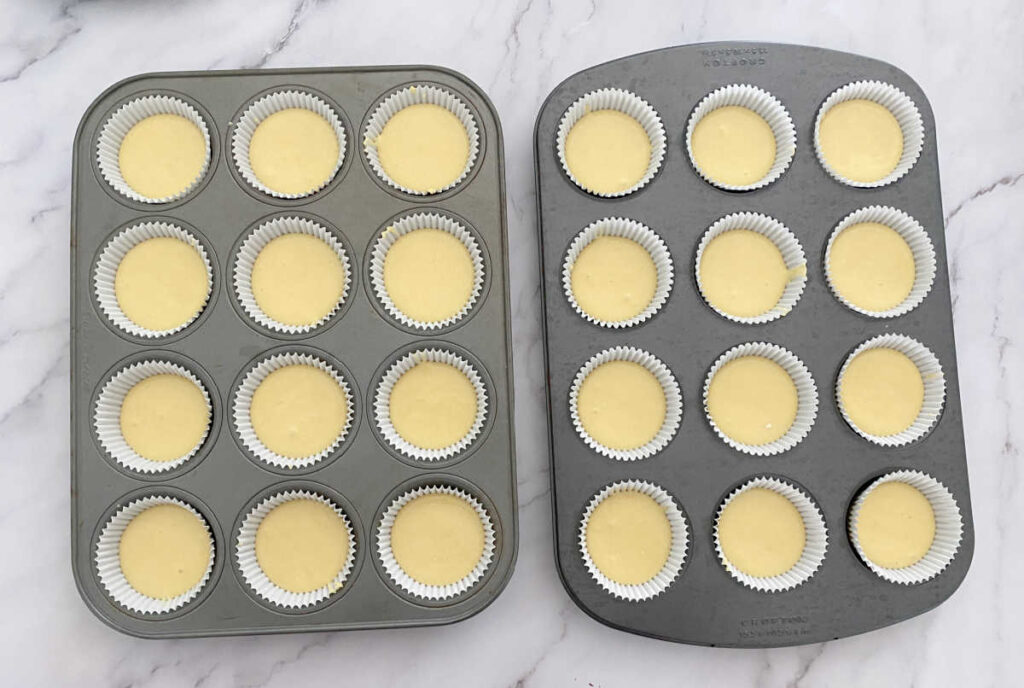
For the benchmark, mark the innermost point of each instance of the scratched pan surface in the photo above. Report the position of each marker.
(704, 605)
(223, 481)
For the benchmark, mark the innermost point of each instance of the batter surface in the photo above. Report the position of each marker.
(614, 279)
(297, 279)
(871, 266)
(621, 405)
(743, 273)
(761, 533)
(294, 151)
(608, 151)
(733, 145)
(752, 400)
(423, 147)
(433, 405)
(164, 417)
(437, 538)
(165, 551)
(428, 274)
(302, 545)
(162, 155)
(161, 283)
(629, 537)
(895, 525)
(298, 411)
(882, 391)
(860, 140)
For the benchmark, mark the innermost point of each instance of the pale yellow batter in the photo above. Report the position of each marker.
(161, 283)
(428, 274)
(423, 147)
(297, 279)
(733, 145)
(162, 155)
(761, 533)
(164, 417)
(882, 391)
(294, 151)
(742, 273)
(165, 551)
(628, 537)
(621, 405)
(302, 545)
(433, 405)
(752, 400)
(298, 411)
(608, 151)
(895, 525)
(871, 266)
(860, 140)
(614, 279)
(437, 538)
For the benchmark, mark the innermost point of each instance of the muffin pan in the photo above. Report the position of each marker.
(832, 464)
(363, 473)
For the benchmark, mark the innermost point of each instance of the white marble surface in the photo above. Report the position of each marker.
(56, 56)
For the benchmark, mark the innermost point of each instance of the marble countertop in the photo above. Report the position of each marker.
(56, 56)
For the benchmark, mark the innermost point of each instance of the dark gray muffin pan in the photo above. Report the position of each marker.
(224, 481)
(705, 605)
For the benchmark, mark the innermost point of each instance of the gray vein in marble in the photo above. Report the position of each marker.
(1008, 180)
(298, 15)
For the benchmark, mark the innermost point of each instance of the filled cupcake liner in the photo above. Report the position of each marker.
(673, 402)
(108, 148)
(934, 388)
(895, 101)
(108, 560)
(110, 259)
(677, 550)
(627, 229)
(107, 415)
(243, 403)
(257, 580)
(267, 106)
(948, 528)
(629, 104)
(249, 251)
(411, 223)
(784, 240)
(419, 95)
(771, 111)
(382, 404)
(406, 582)
(918, 241)
(815, 543)
(806, 391)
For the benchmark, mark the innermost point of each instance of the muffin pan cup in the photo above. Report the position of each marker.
(224, 481)
(832, 464)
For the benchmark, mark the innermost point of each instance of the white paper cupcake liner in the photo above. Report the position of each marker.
(806, 391)
(411, 223)
(107, 415)
(677, 550)
(948, 528)
(934, 388)
(407, 582)
(918, 241)
(771, 111)
(627, 103)
(267, 106)
(419, 95)
(895, 101)
(815, 543)
(784, 240)
(257, 580)
(257, 241)
(115, 250)
(243, 402)
(627, 229)
(108, 149)
(382, 404)
(108, 560)
(673, 402)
